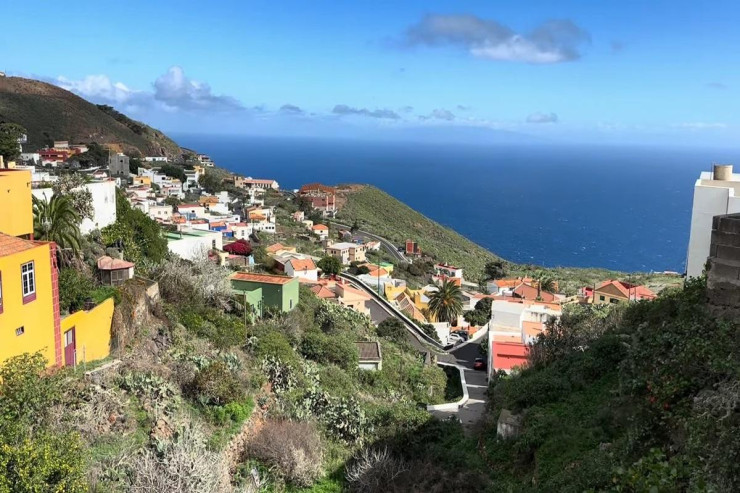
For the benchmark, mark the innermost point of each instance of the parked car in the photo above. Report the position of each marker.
(479, 364)
(463, 334)
(454, 339)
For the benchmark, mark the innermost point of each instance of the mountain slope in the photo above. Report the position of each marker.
(51, 113)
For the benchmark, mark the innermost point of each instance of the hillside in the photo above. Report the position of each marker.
(382, 214)
(51, 113)
(638, 398)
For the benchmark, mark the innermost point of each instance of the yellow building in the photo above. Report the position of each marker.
(29, 290)
(15, 196)
(143, 180)
(29, 299)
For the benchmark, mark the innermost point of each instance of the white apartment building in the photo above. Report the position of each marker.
(716, 192)
(103, 202)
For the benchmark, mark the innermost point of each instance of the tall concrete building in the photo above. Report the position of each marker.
(118, 165)
(716, 192)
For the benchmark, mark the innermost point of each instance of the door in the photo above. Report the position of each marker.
(70, 346)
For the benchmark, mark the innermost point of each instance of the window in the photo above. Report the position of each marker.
(20, 331)
(291, 304)
(28, 279)
(601, 298)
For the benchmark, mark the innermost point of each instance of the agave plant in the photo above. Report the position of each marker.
(56, 220)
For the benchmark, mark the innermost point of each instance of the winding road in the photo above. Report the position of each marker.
(387, 245)
(471, 411)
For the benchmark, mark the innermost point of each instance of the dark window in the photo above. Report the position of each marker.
(601, 298)
(20, 331)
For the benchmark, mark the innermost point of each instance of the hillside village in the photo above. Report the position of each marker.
(88, 245)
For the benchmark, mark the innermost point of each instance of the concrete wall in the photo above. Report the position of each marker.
(723, 278)
(92, 331)
(103, 201)
(711, 198)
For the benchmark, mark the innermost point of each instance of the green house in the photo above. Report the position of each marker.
(263, 291)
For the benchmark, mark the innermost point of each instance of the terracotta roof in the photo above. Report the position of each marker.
(507, 355)
(628, 290)
(302, 264)
(530, 293)
(10, 245)
(275, 248)
(350, 289)
(109, 263)
(369, 351)
(323, 291)
(320, 226)
(263, 278)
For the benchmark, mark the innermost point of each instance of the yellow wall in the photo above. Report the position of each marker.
(37, 316)
(92, 331)
(142, 180)
(15, 195)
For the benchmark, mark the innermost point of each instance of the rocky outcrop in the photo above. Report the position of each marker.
(509, 425)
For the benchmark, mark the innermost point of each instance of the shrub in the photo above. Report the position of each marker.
(25, 392)
(182, 465)
(372, 470)
(323, 348)
(330, 265)
(276, 345)
(393, 329)
(74, 288)
(292, 449)
(217, 385)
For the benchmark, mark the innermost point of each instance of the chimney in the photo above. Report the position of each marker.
(722, 172)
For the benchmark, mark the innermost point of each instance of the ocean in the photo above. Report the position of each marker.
(623, 208)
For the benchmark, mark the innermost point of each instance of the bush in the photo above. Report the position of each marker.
(326, 349)
(217, 385)
(372, 470)
(330, 265)
(292, 449)
(223, 330)
(181, 465)
(74, 288)
(393, 329)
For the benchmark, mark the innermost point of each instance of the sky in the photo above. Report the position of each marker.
(657, 72)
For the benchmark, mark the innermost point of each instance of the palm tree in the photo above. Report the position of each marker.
(56, 220)
(545, 282)
(446, 303)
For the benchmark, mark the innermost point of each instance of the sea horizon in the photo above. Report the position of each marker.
(547, 204)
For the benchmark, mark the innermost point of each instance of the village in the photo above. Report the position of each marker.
(274, 241)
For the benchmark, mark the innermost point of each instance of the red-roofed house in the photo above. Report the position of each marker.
(320, 230)
(614, 291)
(304, 268)
(266, 291)
(114, 271)
(508, 355)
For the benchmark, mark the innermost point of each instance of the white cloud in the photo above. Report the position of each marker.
(173, 91)
(542, 118)
(553, 41)
(701, 125)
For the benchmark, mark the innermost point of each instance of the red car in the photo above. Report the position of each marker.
(479, 364)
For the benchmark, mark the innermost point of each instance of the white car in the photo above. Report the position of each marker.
(454, 339)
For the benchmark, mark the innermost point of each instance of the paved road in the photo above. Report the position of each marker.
(472, 412)
(388, 245)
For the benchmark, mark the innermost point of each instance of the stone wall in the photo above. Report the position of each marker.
(723, 275)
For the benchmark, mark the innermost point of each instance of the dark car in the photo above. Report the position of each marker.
(479, 364)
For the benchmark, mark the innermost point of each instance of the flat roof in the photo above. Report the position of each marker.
(179, 235)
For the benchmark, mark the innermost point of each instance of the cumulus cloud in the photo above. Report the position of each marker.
(553, 41)
(542, 118)
(177, 91)
(701, 125)
(343, 109)
(291, 109)
(439, 114)
(172, 91)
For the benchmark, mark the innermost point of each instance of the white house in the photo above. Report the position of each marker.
(155, 159)
(716, 192)
(193, 244)
(33, 157)
(241, 230)
(103, 203)
(160, 212)
(303, 268)
(191, 211)
(448, 271)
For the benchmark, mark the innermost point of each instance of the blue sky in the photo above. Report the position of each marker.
(658, 72)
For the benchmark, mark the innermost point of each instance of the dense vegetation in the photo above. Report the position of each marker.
(382, 214)
(638, 398)
(50, 113)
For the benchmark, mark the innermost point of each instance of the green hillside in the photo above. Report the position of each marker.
(638, 398)
(51, 113)
(383, 214)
